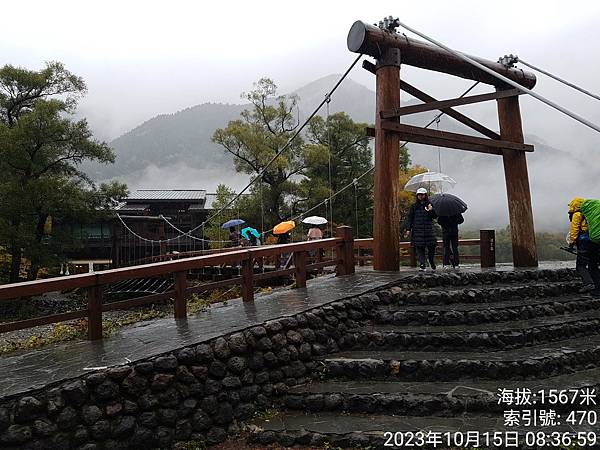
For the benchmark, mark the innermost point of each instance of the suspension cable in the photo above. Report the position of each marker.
(503, 78)
(326, 201)
(328, 125)
(441, 113)
(264, 170)
(574, 86)
(288, 143)
(355, 181)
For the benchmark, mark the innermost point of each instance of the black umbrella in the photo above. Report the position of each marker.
(447, 204)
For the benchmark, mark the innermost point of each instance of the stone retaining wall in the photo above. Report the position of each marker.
(203, 392)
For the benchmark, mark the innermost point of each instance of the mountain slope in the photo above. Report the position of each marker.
(175, 151)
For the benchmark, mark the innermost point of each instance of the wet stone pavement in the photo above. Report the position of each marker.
(35, 369)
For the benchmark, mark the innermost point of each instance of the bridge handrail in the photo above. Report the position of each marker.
(94, 282)
(486, 243)
(36, 287)
(343, 244)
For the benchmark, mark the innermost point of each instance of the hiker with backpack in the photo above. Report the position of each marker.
(591, 211)
(579, 237)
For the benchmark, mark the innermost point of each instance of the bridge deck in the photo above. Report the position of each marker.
(35, 369)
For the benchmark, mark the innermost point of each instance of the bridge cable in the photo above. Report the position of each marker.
(264, 170)
(328, 125)
(503, 78)
(327, 200)
(557, 78)
(287, 144)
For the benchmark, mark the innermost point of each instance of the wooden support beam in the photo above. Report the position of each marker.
(180, 280)
(371, 40)
(94, 298)
(300, 265)
(517, 185)
(417, 93)
(453, 140)
(442, 104)
(247, 282)
(345, 251)
(487, 248)
(386, 211)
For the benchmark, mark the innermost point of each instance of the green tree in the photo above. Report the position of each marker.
(338, 153)
(255, 139)
(213, 230)
(41, 148)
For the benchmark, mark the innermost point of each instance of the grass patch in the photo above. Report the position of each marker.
(267, 414)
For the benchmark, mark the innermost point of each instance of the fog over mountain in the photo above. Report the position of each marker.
(175, 151)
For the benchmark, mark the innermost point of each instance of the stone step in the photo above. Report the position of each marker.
(478, 294)
(427, 398)
(462, 278)
(360, 431)
(455, 314)
(499, 335)
(535, 361)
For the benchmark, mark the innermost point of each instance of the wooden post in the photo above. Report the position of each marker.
(300, 265)
(180, 301)
(517, 185)
(386, 217)
(94, 294)
(487, 248)
(344, 251)
(247, 281)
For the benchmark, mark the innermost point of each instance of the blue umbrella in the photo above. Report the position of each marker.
(233, 223)
(249, 230)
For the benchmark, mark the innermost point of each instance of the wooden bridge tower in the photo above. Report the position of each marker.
(391, 50)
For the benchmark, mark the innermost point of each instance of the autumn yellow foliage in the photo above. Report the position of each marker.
(406, 198)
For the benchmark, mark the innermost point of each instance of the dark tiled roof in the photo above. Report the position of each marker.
(167, 194)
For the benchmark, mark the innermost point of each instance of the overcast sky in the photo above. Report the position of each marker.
(142, 58)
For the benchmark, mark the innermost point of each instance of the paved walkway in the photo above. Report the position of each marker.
(38, 368)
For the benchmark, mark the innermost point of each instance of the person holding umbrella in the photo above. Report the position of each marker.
(314, 231)
(449, 226)
(234, 235)
(252, 236)
(449, 209)
(419, 226)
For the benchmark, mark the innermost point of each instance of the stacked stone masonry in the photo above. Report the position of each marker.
(208, 391)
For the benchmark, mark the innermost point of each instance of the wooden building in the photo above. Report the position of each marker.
(146, 216)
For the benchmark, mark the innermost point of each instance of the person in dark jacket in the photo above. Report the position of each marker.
(449, 226)
(419, 225)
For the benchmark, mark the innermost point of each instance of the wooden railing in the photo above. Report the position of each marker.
(245, 258)
(305, 256)
(486, 243)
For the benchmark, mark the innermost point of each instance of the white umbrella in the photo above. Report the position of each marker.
(429, 181)
(315, 220)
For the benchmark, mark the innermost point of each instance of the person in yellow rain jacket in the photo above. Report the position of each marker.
(579, 237)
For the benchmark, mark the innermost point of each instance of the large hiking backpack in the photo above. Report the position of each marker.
(591, 210)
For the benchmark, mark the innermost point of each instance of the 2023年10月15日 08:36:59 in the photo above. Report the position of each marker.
(497, 439)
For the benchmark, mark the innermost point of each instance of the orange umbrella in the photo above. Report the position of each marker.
(284, 227)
